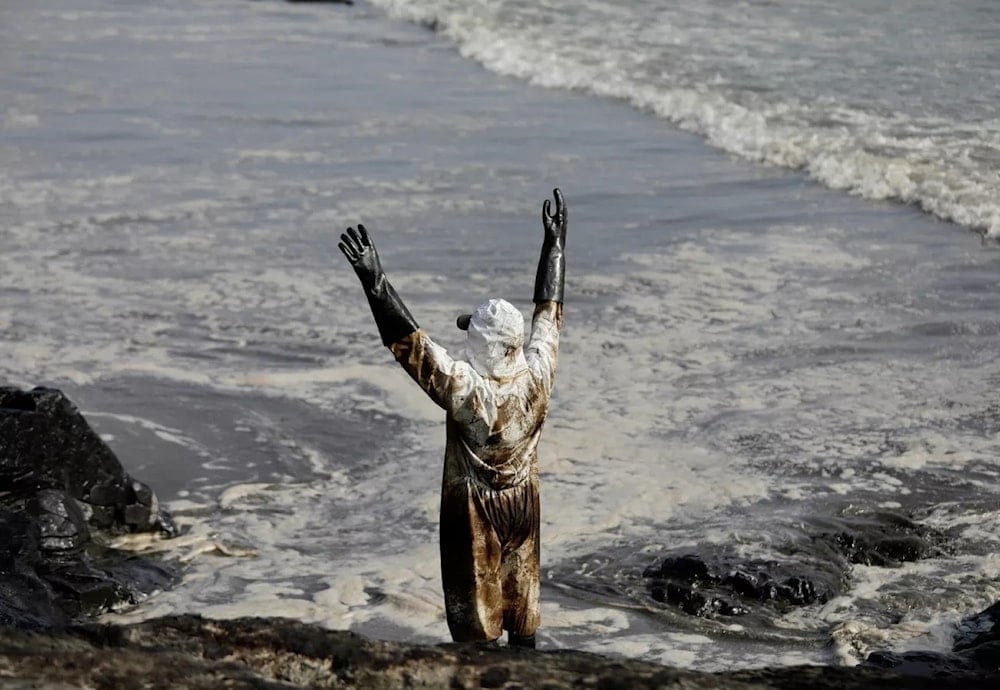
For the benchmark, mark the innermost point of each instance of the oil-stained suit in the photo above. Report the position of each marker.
(496, 401)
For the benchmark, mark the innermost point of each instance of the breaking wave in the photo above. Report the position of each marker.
(791, 105)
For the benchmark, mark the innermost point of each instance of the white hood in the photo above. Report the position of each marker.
(496, 339)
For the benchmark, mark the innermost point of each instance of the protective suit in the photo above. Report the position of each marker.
(495, 403)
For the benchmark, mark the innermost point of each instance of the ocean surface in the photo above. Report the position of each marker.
(782, 295)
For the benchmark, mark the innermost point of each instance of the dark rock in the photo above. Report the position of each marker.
(63, 494)
(927, 664)
(799, 591)
(15, 399)
(80, 588)
(902, 549)
(688, 567)
(743, 583)
(20, 540)
(722, 587)
(137, 516)
(99, 517)
(882, 539)
(729, 609)
(817, 568)
(985, 656)
(979, 629)
(102, 492)
(142, 494)
(26, 600)
(45, 443)
(976, 649)
(188, 652)
(978, 639)
(61, 523)
(691, 601)
(651, 571)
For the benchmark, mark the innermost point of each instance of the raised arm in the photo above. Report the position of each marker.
(392, 318)
(543, 347)
(447, 382)
(551, 275)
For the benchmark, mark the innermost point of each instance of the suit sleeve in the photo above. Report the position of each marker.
(448, 382)
(542, 351)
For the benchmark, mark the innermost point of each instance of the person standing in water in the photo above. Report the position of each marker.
(495, 403)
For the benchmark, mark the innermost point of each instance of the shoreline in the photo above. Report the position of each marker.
(192, 653)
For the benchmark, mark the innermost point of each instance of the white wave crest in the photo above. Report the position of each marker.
(942, 166)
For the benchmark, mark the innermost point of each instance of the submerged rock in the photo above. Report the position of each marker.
(720, 583)
(189, 652)
(727, 586)
(976, 649)
(881, 539)
(63, 496)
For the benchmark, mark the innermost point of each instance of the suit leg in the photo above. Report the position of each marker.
(520, 572)
(470, 567)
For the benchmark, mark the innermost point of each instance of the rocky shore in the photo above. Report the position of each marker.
(195, 653)
(64, 496)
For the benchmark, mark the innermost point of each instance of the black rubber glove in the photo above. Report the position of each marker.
(551, 274)
(391, 315)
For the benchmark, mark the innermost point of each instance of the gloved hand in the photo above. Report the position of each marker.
(358, 248)
(391, 315)
(550, 278)
(555, 225)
